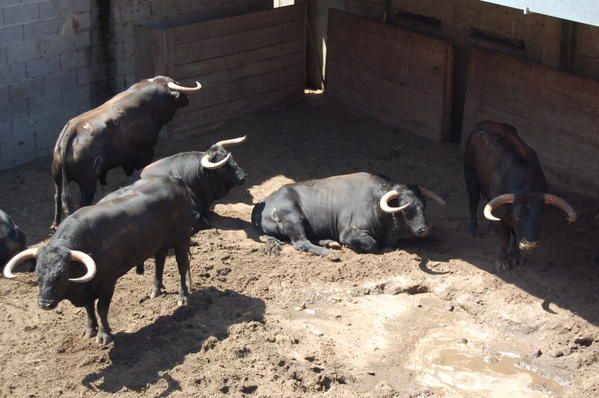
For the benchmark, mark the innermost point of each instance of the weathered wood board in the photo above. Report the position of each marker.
(556, 113)
(245, 63)
(400, 78)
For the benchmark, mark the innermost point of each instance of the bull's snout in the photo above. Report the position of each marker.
(46, 304)
(423, 232)
(242, 179)
(527, 245)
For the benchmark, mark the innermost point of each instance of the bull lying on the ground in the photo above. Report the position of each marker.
(12, 240)
(499, 164)
(351, 209)
(122, 132)
(109, 239)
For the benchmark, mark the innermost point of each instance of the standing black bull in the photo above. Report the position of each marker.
(208, 175)
(500, 165)
(12, 240)
(109, 238)
(351, 209)
(122, 132)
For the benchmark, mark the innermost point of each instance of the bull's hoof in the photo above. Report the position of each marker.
(515, 260)
(330, 244)
(474, 231)
(273, 247)
(182, 301)
(90, 332)
(502, 265)
(155, 293)
(103, 338)
(333, 258)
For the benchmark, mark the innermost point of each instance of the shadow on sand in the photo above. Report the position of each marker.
(144, 357)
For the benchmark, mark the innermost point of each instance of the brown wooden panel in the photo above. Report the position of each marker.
(387, 101)
(231, 90)
(148, 52)
(239, 61)
(232, 25)
(396, 76)
(200, 120)
(244, 63)
(555, 112)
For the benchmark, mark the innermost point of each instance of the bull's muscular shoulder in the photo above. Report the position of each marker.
(491, 134)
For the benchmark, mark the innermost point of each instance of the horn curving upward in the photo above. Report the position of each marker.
(506, 198)
(183, 89)
(384, 203)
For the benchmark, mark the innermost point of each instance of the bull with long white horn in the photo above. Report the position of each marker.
(96, 245)
(362, 211)
(499, 165)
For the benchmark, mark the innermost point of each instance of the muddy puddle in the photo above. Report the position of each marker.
(472, 367)
(390, 337)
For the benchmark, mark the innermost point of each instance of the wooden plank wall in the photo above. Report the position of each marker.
(245, 63)
(400, 78)
(556, 113)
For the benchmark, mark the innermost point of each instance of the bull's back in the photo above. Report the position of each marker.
(501, 159)
(328, 204)
(130, 228)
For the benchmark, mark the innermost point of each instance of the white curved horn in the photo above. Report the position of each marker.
(232, 141)
(183, 89)
(430, 194)
(89, 263)
(19, 258)
(207, 164)
(500, 200)
(384, 203)
(560, 204)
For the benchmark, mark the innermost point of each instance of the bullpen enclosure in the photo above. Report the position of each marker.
(404, 82)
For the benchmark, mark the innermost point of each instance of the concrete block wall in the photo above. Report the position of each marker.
(59, 58)
(39, 86)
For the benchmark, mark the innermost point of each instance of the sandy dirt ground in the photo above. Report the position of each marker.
(427, 319)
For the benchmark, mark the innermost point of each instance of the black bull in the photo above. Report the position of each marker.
(501, 166)
(352, 209)
(208, 176)
(122, 132)
(12, 240)
(109, 238)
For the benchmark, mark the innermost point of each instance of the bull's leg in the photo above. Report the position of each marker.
(182, 256)
(102, 177)
(514, 257)
(358, 240)
(473, 198)
(91, 330)
(291, 224)
(305, 245)
(159, 259)
(57, 206)
(502, 262)
(88, 191)
(329, 244)
(198, 222)
(104, 335)
(139, 269)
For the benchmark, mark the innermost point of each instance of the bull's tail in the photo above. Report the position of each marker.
(257, 215)
(66, 137)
